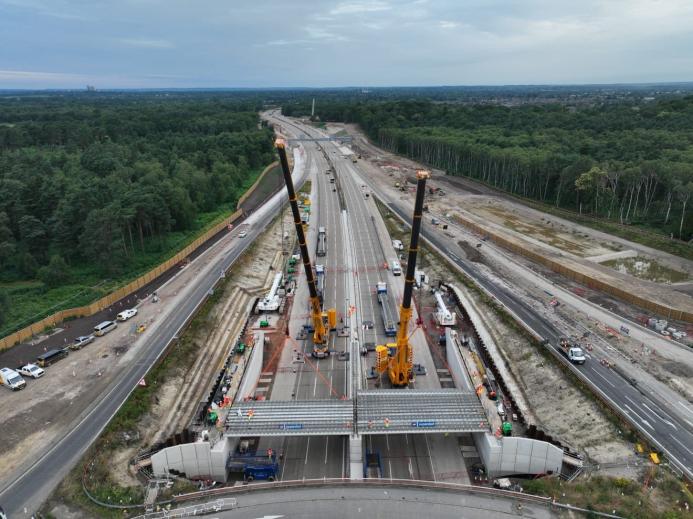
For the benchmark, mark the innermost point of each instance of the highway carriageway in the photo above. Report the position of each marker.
(662, 424)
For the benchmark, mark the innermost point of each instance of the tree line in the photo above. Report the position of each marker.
(629, 162)
(93, 181)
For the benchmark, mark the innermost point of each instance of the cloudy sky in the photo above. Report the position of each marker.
(275, 43)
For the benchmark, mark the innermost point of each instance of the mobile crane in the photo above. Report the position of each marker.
(399, 354)
(322, 321)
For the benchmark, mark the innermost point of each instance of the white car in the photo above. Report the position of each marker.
(242, 234)
(31, 370)
(127, 314)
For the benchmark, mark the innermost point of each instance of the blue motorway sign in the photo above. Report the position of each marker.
(290, 426)
(424, 423)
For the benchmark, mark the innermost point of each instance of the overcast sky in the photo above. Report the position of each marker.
(275, 43)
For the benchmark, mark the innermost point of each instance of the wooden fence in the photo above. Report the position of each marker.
(568, 271)
(108, 300)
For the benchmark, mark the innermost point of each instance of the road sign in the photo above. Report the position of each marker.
(424, 423)
(290, 426)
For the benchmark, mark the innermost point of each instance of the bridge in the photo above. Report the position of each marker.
(345, 138)
(372, 412)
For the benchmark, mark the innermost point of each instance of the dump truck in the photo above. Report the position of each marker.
(572, 352)
(386, 310)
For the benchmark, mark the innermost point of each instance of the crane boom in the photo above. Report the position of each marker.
(400, 364)
(320, 334)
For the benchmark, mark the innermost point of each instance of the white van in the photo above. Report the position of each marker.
(397, 244)
(396, 268)
(11, 379)
(104, 327)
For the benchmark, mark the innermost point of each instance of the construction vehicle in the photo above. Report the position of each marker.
(271, 301)
(319, 318)
(372, 465)
(400, 355)
(386, 311)
(444, 316)
(254, 467)
(572, 352)
(320, 282)
(322, 242)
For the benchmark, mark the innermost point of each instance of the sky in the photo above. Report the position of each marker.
(321, 43)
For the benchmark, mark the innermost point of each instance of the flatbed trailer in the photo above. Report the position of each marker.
(387, 310)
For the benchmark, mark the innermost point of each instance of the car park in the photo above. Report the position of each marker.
(31, 370)
(127, 314)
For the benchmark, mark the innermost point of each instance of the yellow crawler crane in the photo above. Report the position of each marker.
(400, 353)
(320, 330)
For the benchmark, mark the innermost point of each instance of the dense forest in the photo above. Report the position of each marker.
(92, 184)
(630, 162)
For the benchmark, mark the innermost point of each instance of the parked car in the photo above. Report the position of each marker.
(11, 379)
(127, 314)
(31, 370)
(81, 341)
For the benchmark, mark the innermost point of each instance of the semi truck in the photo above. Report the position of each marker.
(386, 311)
(572, 351)
(322, 242)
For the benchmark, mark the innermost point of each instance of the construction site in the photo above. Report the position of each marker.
(367, 335)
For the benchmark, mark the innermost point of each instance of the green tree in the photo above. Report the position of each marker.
(56, 273)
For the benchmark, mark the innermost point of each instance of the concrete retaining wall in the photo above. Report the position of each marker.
(513, 455)
(253, 368)
(195, 460)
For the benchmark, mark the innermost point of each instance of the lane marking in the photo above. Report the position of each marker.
(660, 417)
(641, 418)
(681, 444)
(603, 378)
(305, 462)
(327, 442)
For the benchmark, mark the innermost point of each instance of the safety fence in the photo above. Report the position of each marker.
(638, 299)
(117, 295)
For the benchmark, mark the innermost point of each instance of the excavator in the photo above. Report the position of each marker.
(323, 322)
(397, 357)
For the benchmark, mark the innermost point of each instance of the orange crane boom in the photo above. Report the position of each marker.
(400, 362)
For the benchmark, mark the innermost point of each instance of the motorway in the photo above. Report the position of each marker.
(409, 456)
(667, 424)
(25, 494)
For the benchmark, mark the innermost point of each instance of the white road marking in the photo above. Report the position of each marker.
(681, 444)
(603, 378)
(305, 462)
(641, 418)
(660, 417)
(327, 442)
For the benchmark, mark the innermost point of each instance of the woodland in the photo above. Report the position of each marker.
(629, 162)
(96, 189)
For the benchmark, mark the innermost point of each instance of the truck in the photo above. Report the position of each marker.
(572, 352)
(253, 467)
(11, 379)
(372, 465)
(322, 241)
(320, 281)
(31, 370)
(386, 311)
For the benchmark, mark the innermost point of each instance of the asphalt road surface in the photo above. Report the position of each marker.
(382, 502)
(25, 494)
